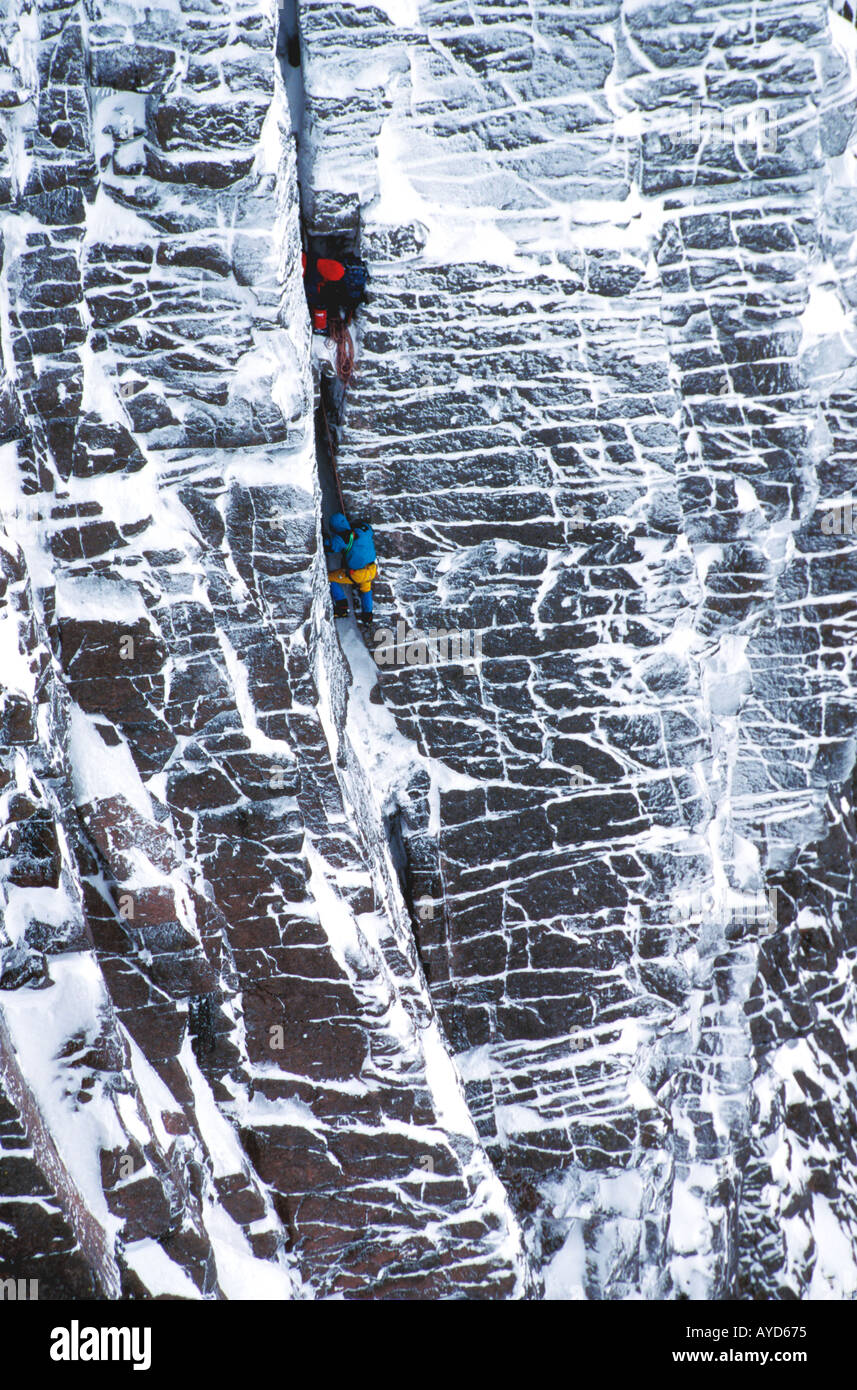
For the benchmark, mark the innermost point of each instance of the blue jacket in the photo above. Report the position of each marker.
(357, 547)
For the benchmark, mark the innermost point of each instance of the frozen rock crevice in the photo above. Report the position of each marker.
(242, 1091)
(429, 979)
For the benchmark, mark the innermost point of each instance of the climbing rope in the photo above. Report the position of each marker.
(332, 453)
(338, 332)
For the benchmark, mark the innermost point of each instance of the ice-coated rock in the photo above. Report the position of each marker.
(602, 407)
(241, 1042)
(523, 971)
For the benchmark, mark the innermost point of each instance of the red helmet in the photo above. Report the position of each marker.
(330, 270)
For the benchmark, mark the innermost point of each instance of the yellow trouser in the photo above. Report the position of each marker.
(362, 578)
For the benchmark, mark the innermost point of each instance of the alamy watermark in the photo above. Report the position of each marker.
(19, 1290)
(77, 1343)
(410, 647)
(725, 907)
(840, 519)
(736, 128)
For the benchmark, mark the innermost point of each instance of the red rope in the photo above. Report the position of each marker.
(344, 351)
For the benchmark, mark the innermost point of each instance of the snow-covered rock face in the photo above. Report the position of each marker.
(526, 970)
(602, 411)
(218, 1062)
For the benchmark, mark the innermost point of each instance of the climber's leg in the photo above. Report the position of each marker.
(340, 602)
(366, 596)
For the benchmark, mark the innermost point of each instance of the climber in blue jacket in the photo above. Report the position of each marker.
(356, 544)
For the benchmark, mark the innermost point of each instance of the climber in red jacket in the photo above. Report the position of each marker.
(334, 291)
(321, 277)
